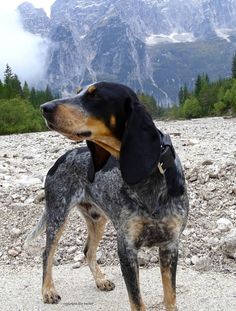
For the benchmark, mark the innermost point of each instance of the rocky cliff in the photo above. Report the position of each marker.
(152, 45)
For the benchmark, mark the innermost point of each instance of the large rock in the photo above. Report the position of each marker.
(229, 244)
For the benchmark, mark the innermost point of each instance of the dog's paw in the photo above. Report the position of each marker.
(51, 296)
(105, 285)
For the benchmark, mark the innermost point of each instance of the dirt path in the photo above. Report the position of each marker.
(20, 290)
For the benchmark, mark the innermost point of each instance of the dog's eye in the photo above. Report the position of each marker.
(93, 94)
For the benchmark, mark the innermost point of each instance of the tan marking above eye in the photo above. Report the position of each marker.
(91, 89)
(113, 121)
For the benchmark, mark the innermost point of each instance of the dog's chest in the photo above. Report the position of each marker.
(146, 232)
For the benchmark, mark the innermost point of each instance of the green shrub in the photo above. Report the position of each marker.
(191, 108)
(19, 116)
(220, 108)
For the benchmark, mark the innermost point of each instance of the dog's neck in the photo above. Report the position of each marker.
(149, 189)
(111, 144)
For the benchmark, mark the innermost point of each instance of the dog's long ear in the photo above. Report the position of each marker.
(140, 148)
(99, 158)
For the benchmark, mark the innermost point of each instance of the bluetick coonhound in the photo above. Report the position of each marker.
(128, 173)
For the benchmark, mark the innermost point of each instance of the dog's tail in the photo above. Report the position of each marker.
(39, 229)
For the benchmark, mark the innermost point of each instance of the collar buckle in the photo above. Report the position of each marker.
(167, 158)
(159, 165)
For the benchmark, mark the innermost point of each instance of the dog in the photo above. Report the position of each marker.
(128, 173)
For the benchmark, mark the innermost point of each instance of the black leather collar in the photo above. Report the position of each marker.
(167, 158)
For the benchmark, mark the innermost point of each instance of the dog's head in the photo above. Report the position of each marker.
(111, 119)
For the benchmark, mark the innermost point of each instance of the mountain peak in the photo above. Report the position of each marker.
(152, 45)
(34, 20)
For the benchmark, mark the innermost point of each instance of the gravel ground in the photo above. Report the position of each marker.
(208, 152)
(21, 290)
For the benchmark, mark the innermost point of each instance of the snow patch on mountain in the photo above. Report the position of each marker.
(224, 33)
(172, 38)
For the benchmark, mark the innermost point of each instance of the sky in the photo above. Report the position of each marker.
(24, 52)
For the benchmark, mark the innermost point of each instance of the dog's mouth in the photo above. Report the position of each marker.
(78, 136)
(85, 134)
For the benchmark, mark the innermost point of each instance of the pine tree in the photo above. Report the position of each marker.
(1, 89)
(26, 91)
(16, 87)
(181, 95)
(48, 94)
(185, 93)
(234, 67)
(8, 75)
(12, 85)
(198, 85)
(33, 97)
(207, 79)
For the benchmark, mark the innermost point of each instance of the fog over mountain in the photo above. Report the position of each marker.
(23, 51)
(152, 45)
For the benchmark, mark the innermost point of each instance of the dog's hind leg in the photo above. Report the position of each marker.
(130, 270)
(55, 221)
(168, 265)
(95, 233)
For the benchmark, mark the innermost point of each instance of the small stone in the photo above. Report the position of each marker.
(224, 224)
(187, 165)
(100, 258)
(154, 259)
(202, 264)
(194, 259)
(203, 178)
(207, 162)
(229, 244)
(193, 178)
(214, 172)
(187, 232)
(143, 259)
(79, 257)
(211, 187)
(99, 255)
(72, 250)
(15, 232)
(76, 265)
(28, 157)
(175, 133)
(188, 261)
(13, 253)
(213, 241)
(18, 249)
(191, 142)
(39, 197)
(56, 262)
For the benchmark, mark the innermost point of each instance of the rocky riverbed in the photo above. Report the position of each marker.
(207, 148)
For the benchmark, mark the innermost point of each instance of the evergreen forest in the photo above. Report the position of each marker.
(19, 105)
(216, 98)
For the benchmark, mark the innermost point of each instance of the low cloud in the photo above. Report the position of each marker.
(23, 51)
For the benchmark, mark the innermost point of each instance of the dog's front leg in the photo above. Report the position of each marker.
(168, 265)
(130, 270)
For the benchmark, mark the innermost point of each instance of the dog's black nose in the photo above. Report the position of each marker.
(48, 108)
